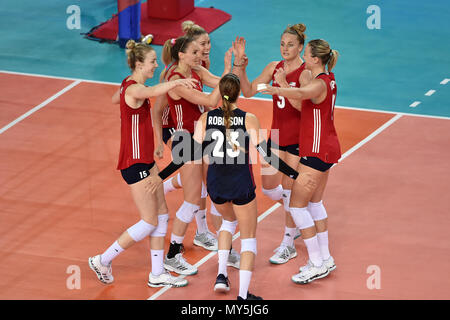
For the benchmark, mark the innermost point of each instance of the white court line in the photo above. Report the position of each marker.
(415, 104)
(276, 205)
(370, 137)
(252, 98)
(40, 106)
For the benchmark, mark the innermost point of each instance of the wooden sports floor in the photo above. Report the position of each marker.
(62, 200)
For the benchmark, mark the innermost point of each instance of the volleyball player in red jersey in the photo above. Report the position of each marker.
(203, 236)
(136, 163)
(319, 150)
(289, 72)
(186, 106)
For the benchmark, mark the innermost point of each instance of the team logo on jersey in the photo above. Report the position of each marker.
(293, 84)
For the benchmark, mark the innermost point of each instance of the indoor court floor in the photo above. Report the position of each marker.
(62, 199)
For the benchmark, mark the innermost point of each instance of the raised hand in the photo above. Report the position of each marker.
(227, 59)
(280, 76)
(239, 49)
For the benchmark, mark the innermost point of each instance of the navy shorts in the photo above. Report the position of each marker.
(239, 201)
(292, 149)
(315, 163)
(167, 134)
(136, 172)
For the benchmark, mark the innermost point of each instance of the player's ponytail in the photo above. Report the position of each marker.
(334, 54)
(229, 87)
(321, 49)
(173, 47)
(136, 52)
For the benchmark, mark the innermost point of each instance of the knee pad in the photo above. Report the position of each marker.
(286, 199)
(140, 230)
(317, 211)
(302, 217)
(214, 210)
(161, 229)
(275, 193)
(187, 212)
(229, 226)
(204, 191)
(248, 244)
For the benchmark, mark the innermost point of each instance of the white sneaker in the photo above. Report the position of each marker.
(104, 273)
(206, 240)
(283, 254)
(179, 265)
(166, 279)
(329, 263)
(310, 273)
(234, 259)
(308, 265)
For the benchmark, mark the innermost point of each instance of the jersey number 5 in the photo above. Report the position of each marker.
(281, 103)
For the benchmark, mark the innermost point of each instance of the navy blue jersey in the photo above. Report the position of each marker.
(230, 174)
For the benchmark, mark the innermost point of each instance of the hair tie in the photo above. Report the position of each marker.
(331, 52)
(172, 41)
(226, 97)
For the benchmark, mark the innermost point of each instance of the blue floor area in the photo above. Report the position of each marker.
(386, 69)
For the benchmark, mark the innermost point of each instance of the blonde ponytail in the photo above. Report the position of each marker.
(321, 49)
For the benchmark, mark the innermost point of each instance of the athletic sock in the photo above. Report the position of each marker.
(312, 245)
(174, 249)
(323, 243)
(200, 218)
(157, 262)
(223, 259)
(244, 282)
(113, 251)
(289, 234)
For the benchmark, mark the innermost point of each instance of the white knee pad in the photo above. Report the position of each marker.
(248, 245)
(161, 229)
(204, 191)
(317, 210)
(214, 210)
(286, 199)
(140, 230)
(187, 212)
(275, 193)
(229, 226)
(301, 217)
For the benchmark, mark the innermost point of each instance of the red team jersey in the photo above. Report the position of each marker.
(136, 141)
(318, 137)
(183, 112)
(167, 121)
(285, 117)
